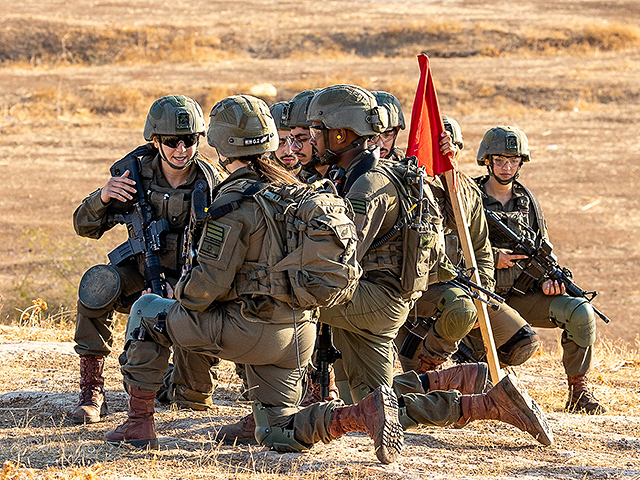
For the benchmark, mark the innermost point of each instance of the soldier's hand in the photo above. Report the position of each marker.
(553, 287)
(447, 147)
(507, 257)
(118, 188)
(167, 287)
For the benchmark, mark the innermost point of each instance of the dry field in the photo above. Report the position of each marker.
(77, 78)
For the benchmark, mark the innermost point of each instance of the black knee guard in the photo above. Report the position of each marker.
(519, 348)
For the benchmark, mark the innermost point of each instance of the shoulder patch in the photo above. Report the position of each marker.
(359, 206)
(213, 239)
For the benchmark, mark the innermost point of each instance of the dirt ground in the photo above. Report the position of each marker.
(77, 77)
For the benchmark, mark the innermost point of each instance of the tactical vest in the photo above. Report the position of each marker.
(527, 213)
(412, 244)
(309, 251)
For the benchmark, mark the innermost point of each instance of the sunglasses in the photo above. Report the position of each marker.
(172, 141)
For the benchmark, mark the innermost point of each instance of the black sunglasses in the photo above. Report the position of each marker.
(172, 141)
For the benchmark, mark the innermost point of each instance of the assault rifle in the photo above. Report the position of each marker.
(144, 232)
(541, 263)
(464, 282)
(326, 355)
(197, 219)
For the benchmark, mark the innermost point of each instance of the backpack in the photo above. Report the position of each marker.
(311, 249)
(422, 238)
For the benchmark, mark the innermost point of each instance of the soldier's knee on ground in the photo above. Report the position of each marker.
(576, 317)
(99, 289)
(144, 314)
(278, 438)
(520, 347)
(457, 315)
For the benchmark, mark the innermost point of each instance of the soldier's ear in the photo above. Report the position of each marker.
(341, 135)
(156, 143)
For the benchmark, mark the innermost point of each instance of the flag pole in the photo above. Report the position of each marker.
(470, 261)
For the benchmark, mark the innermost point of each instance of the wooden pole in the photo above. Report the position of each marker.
(470, 261)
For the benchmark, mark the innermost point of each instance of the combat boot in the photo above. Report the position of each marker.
(427, 363)
(509, 403)
(581, 400)
(468, 378)
(92, 405)
(377, 416)
(241, 432)
(314, 395)
(139, 430)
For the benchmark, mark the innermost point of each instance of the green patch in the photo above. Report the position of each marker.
(359, 207)
(213, 240)
(427, 240)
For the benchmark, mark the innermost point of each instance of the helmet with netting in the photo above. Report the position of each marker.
(242, 125)
(453, 127)
(174, 115)
(278, 111)
(503, 140)
(393, 107)
(296, 113)
(350, 107)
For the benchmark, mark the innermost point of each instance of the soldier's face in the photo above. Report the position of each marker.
(178, 155)
(317, 138)
(385, 141)
(505, 166)
(302, 147)
(285, 151)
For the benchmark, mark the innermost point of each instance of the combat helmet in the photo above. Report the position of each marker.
(350, 107)
(174, 115)
(278, 112)
(295, 114)
(242, 125)
(393, 107)
(503, 140)
(453, 127)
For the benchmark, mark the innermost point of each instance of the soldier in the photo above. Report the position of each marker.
(387, 139)
(447, 312)
(169, 170)
(225, 307)
(286, 153)
(503, 151)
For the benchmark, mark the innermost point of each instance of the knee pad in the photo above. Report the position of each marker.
(576, 317)
(519, 348)
(99, 288)
(147, 306)
(277, 438)
(456, 315)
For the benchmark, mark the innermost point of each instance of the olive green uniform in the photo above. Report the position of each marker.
(574, 316)
(453, 309)
(94, 328)
(224, 311)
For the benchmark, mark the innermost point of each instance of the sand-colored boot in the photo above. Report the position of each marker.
(509, 403)
(581, 400)
(314, 395)
(468, 378)
(426, 363)
(377, 416)
(139, 430)
(92, 405)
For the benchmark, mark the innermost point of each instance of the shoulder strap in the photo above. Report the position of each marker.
(537, 209)
(210, 175)
(252, 189)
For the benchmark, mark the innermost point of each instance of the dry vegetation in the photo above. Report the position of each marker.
(77, 78)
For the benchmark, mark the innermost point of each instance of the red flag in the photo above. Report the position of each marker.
(426, 124)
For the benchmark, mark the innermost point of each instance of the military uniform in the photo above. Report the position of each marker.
(536, 307)
(94, 328)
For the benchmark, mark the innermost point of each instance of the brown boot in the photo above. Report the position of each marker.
(92, 405)
(581, 400)
(243, 431)
(377, 416)
(427, 363)
(509, 403)
(139, 430)
(313, 394)
(468, 378)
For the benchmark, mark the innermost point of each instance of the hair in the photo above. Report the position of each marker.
(264, 166)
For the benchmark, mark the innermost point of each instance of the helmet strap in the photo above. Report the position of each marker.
(330, 157)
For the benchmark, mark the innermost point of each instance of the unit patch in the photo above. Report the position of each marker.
(213, 240)
(359, 206)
